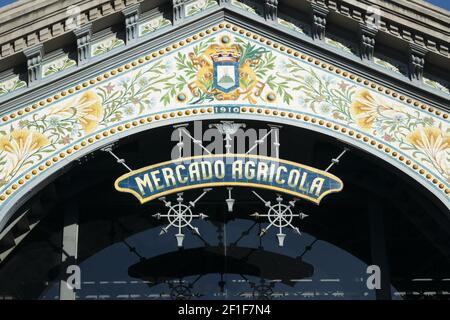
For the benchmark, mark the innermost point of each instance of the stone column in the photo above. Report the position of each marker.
(319, 21)
(34, 63)
(131, 15)
(83, 35)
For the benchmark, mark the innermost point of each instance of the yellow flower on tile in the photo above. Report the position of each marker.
(87, 109)
(18, 145)
(435, 144)
(22, 142)
(430, 139)
(366, 107)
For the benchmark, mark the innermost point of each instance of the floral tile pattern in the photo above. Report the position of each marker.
(57, 65)
(198, 6)
(339, 44)
(291, 25)
(389, 65)
(243, 6)
(436, 85)
(11, 85)
(153, 25)
(106, 45)
(186, 78)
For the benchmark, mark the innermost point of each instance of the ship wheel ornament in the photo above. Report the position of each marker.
(181, 216)
(181, 291)
(280, 216)
(263, 290)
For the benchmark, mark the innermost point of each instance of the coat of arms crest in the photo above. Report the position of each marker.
(224, 73)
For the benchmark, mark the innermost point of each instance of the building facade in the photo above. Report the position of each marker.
(224, 149)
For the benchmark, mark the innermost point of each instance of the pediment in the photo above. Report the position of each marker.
(222, 70)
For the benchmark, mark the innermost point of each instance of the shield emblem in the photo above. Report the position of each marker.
(226, 76)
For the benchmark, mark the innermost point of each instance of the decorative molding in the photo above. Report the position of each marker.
(388, 64)
(395, 19)
(131, 15)
(106, 44)
(57, 65)
(198, 6)
(416, 62)
(292, 24)
(339, 43)
(34, 63)
(271, 10)
(319, 15)
(83, 36)
(367, 45)
(244, 6)
(178, 11)
(24, 32)
(11, 84)
(432, 33)
(153, 24)
(437, 85)
(399, 81)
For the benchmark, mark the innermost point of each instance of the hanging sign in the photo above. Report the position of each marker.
(229, 170)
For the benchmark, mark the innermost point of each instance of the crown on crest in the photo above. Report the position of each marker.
(226, 54)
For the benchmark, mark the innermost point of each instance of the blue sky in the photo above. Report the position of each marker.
(5, 2)
(441, 3)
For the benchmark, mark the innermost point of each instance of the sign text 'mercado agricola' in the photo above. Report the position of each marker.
(229, 170)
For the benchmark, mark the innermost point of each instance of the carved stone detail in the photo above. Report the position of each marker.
(178, 11)
(131, 15)
(367, 35)
(319, 21)
(34, 63)
(271, 10)
(83, 36)
(416, 62)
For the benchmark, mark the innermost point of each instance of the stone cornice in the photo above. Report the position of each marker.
(416, 14)
(413, 21)
(26, 23)
(29, 22)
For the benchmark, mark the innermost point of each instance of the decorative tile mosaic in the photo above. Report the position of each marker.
(106, 45)
(57, 65)
(153, 25)
(339, 44)
(198, 6)
(11, 85)
(436, 85)
(221, 70)
(388, 64)
(291, 25)
(244, 6)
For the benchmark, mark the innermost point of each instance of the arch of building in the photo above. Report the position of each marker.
(109, 220)
(265, 80)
